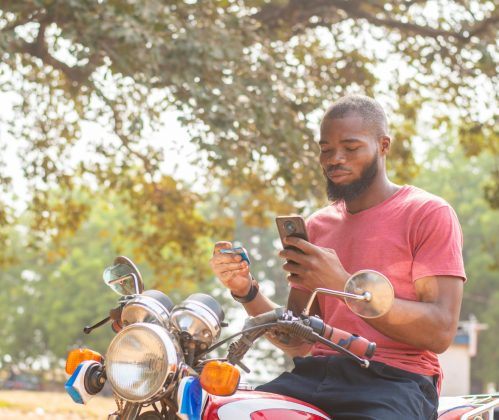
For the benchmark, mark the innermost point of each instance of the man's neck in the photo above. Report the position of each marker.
(379, 191)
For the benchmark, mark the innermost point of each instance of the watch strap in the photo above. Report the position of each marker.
(251, 294)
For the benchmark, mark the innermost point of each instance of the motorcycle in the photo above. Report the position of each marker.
(157, 363)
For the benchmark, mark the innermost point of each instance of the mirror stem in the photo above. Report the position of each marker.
(125, 278)
(365, 297)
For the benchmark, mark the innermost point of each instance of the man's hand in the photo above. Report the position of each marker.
(317, 267)
(231, 270)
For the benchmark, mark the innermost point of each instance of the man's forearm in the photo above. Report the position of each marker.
(261, 305)
(418, 324)
(429, 323)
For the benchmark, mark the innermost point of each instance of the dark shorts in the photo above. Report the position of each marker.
(343, 390)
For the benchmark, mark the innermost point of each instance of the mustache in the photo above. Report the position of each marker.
(333, 168)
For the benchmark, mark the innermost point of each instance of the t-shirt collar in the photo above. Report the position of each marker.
(342, 207)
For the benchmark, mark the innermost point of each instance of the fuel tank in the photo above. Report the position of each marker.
(252, 405)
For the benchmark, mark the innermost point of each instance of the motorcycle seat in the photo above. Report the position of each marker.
(452, 408)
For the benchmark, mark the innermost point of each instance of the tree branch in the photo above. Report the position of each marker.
(21, 22)
(118, 123)
(484, 25)
(38, 48)
(359, 13)
(300, 11)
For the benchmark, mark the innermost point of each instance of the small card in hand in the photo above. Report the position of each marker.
(240, 250)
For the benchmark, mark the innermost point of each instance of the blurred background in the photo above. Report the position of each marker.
(153, 129)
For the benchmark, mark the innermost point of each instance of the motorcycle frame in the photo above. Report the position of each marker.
(485, 404)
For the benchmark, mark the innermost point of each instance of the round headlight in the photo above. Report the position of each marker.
(151, 306)
(199, 318)
(142, 362)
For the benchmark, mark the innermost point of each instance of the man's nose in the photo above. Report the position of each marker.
(336, 157)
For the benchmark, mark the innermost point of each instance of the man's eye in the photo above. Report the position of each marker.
(351, 150)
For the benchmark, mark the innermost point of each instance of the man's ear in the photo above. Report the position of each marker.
(385, 143)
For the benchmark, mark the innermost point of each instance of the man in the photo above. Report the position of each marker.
(407, 234)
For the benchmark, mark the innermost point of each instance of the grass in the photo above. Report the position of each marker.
(55, 402)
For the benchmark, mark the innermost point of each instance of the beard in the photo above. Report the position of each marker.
(347, 192)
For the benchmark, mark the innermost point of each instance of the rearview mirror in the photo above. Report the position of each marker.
(124, 277)
(368, 294)
(375, 284)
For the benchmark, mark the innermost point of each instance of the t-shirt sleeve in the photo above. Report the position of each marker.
(438, 245)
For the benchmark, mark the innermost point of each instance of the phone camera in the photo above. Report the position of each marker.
(290, 227)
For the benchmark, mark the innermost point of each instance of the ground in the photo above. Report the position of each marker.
(24, 405)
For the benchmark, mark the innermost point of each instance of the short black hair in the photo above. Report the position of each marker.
(372, 113)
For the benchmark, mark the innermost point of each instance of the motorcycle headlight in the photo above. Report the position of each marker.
(142, 362)
(198, 318)
(151, 306)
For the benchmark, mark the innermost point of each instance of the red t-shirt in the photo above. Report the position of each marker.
(410, 235)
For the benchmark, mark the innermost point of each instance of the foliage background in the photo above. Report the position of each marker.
(249, 79)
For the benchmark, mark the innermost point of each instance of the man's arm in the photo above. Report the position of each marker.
(429, 324)
(234, 274)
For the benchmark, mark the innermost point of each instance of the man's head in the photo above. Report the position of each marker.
(354, 141)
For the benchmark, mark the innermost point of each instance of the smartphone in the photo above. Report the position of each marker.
(292, 226)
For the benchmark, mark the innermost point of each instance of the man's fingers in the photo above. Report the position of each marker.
(302, 244)
(294, 268)
(224, 259)
(221, 245)
(294, 278)
(223, 268)
(294, 255)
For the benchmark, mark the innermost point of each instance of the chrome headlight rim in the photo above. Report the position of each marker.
(174, 355)
(202, 312)
(160, 315)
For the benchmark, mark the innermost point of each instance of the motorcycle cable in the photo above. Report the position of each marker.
(363, 362)
(203, 362)
(221, 343)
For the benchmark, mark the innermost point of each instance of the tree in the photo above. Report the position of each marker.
(50, 298)
(449, 174)
(248, 76)
(49, 302)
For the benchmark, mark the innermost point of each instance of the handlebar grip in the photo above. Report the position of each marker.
(351, 342)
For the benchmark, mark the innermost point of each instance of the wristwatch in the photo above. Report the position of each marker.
(251, 294)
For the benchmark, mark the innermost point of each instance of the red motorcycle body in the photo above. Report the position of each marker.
(252, 405)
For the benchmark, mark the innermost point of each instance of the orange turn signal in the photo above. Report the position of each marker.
(219, 378)
(80, 355)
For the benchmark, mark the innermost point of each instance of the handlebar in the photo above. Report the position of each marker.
(351, 342)
(306, 328)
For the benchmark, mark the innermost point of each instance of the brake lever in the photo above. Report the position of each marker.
(87, 330)
(238, 349)
(114, 314)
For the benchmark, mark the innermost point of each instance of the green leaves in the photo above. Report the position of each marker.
(248, 78)
(459, 180)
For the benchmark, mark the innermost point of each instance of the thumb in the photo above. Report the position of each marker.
(221, 245)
